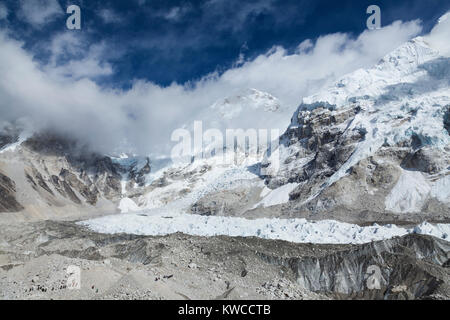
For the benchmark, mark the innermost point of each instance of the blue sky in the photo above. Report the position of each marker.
(139, 69)
(165, 41)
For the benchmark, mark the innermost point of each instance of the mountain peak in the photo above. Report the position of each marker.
(248, 99)
(403, 65)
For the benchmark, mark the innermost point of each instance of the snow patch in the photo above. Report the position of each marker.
(277, 196)
(409, 194)
(127, 205)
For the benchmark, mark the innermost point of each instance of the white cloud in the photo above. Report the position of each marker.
(3, 11)
(176, 13)
(71, 56)
(63, 97)
(88, 67)
(292, 76)
(110, 16)
(39, 12)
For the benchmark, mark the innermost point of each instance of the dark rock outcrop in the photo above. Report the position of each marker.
(409, 267)
(447, 120)
(8, 202)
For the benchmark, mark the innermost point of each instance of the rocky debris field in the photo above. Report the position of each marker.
(35, 257)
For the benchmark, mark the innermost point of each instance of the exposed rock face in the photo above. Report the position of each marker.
(54, 171)
(409, 267)
(321, 145)
(8, 134)
(427, 159)
(137, 174)
(6, 139)
(73, 172)
(8, 202)
(447, 120)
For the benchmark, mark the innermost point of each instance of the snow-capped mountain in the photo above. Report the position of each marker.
(376, 142)
(247, 101)
(247, 109)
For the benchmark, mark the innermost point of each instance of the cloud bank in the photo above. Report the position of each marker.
(39, 12)
(65, 98)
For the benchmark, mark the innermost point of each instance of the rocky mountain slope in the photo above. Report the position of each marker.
(46, 175)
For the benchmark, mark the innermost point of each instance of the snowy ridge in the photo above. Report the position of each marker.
(399, 66)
